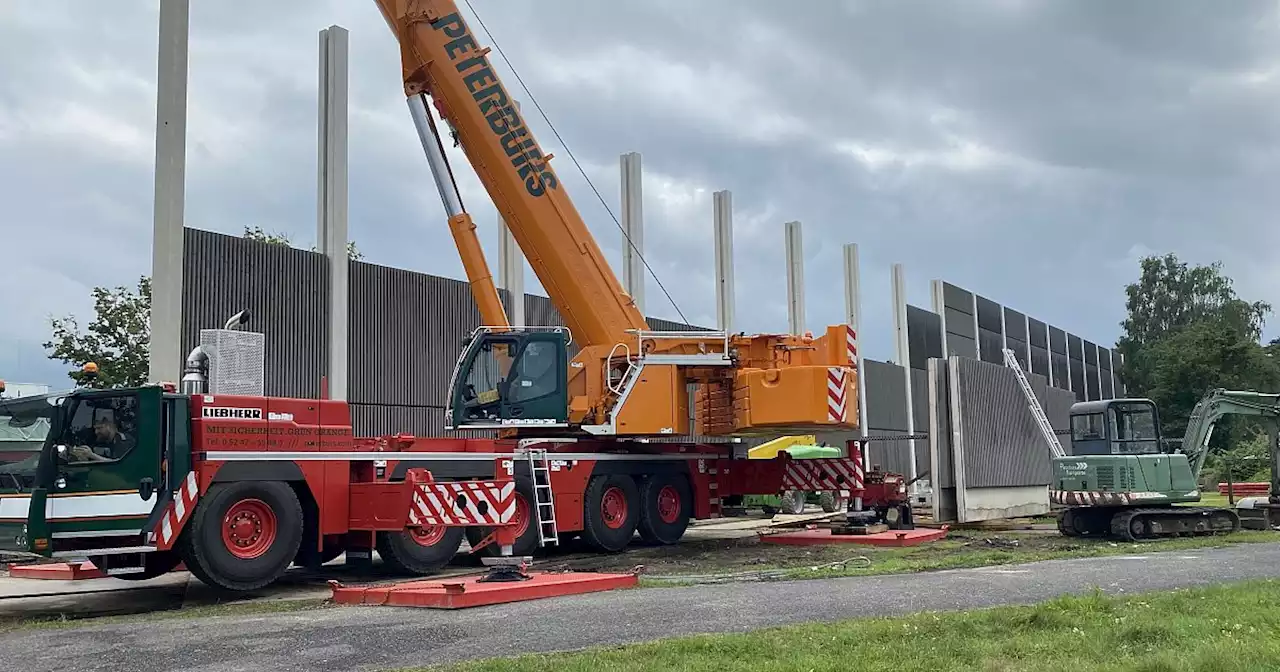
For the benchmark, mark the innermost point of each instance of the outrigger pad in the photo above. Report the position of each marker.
(461, 593)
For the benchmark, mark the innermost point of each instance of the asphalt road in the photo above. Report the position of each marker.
(372, 638)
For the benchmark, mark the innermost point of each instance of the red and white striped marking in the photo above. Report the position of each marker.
(463, 503)
(852, 341)
(822, 474)
(184, 502)
(837, 394)
(1089, 498)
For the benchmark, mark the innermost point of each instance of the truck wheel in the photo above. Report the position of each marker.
(832, 501)
(665, 508)
(793, 502)
(611, 511)
(243, 535)
(419, 551)
(526, 525)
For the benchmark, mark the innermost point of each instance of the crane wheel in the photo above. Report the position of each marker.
(419, 551)
(526, 525)
(243, 535)
(666, 504)
(610, 512)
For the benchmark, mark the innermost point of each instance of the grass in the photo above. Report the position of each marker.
(1229, 628)
(203, 611)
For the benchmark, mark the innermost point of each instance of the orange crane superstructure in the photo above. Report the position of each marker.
(626, 379)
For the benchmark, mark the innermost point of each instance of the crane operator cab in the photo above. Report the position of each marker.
(1115, 427)
(511, 378)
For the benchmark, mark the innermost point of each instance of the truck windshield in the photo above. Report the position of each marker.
(24, 427)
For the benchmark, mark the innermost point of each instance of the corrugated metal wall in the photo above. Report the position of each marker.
(405, 332)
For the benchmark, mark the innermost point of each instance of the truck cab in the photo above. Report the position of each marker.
(100, 474)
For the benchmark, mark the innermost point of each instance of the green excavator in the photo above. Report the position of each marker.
(1124, 480)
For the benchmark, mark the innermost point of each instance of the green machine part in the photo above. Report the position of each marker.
(800, 452)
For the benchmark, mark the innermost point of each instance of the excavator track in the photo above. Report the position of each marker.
(1155, 523)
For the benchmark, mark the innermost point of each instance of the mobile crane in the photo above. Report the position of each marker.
(1121, 480)
(600, 443)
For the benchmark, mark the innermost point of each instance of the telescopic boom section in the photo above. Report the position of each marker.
(442, 59)
(625, 379)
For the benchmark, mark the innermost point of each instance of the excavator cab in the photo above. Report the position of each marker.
(511, 378)
(1115, 427)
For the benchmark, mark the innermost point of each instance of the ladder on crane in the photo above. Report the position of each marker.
(1042, 421)
(544, 504)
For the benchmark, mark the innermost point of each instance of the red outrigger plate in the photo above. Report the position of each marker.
(890, 538)
(462, 593)
(60, 571)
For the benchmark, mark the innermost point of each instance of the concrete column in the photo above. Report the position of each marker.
(853, 317)
(722, 202)
(903, 350)
(166, 358)
(940, 307)
(331, 220)
(633, 228)
(1026, 333)
(795, 278)
(511, 272)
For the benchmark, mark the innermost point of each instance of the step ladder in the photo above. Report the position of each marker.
(1055, 446)
(544, 501)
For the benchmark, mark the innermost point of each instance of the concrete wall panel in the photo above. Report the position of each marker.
(1003, 446)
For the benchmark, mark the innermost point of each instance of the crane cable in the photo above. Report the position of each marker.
(568, 151)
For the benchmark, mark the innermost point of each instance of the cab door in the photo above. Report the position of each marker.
(103, 471)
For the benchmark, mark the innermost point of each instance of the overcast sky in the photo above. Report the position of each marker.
(1030, 151)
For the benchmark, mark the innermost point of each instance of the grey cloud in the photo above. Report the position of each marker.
(1023, 150)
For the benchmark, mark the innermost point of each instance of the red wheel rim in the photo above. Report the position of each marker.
(613, 508)
(249, 528)
(668, 504)
(428, 536)
(521, 515)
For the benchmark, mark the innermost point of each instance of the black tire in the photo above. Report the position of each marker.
(208, 556)
(405, 553)
(610, 534)
(527, 542)
(831, 502)
(157, 563)
(666, 505)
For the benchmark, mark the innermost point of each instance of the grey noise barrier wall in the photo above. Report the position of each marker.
(986, 453)
(405, 329)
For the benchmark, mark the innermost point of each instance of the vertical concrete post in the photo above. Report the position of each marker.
(331, 220)
(166, 358)
(1026, 333)
(722, 204)
(903, 350)
(795, 278)
(940, 307)
(633, 228)
(511, 272)
(853, 317)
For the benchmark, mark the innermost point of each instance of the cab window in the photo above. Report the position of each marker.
(101, 429)
(1087, 427)
(537, 373)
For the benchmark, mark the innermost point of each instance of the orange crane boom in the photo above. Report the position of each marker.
(625, 379)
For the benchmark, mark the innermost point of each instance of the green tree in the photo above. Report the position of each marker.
(117, 340)
(256, 233)
(1187, 331)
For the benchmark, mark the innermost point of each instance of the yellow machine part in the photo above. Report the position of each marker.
(770, 450)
